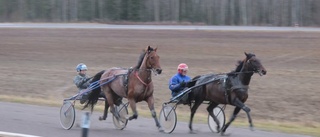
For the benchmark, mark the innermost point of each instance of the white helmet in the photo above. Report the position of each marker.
(81, 66)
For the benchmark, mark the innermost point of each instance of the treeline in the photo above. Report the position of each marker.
(211, 12)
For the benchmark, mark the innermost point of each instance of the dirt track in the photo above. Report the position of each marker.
(40, 63)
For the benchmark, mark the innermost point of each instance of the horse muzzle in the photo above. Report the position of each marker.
(262, 72)
(158, 71)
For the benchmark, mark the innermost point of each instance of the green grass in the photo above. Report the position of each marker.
(312, 129)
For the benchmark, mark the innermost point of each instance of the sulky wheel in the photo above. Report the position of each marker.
(219, 113)
(67, 115)
(168, 118)
(121, 122)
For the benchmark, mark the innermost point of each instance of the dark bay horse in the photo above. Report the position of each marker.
(233, 90)
(135, 84)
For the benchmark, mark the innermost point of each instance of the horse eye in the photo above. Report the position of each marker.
(151, 57)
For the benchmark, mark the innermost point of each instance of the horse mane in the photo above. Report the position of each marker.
(239, 66)
(141, 57)
(140, 60)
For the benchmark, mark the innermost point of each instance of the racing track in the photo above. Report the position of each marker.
(44, 121)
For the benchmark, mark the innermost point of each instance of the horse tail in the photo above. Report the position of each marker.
(96, 91)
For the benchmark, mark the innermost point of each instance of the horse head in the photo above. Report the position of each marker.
(254, 64)
(152, 60)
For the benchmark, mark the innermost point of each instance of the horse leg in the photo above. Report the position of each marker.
(110, 103)
(210, 110)
(150, 102)
(132, 103)
(105, 112)
(193, 111)
(241, 105)
(233, 117)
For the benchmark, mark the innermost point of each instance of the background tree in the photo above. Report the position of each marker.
(211, 12)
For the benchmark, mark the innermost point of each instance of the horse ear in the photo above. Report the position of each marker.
(155, 49)
(246, 54)
(149, 49)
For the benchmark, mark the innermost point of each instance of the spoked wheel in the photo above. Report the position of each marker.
(67, 115)
(219, 113)
(168, 118)
(121, 123)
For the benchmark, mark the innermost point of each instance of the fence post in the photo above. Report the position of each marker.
(85, 124)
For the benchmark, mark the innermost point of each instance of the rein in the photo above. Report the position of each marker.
(236, 72)
(242, 72)
(144, 69)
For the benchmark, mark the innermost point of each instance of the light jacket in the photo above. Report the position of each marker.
(81, 81)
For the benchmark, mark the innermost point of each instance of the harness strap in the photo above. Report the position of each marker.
(228, 91)
(239, 87)
(137, 75)
(126, 80)
(227, 97)
(147, 85)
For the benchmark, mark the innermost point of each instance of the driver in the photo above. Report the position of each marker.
(82, 80)
(178, 82)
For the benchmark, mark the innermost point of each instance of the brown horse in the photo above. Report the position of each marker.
(233, 90)
(135, 84)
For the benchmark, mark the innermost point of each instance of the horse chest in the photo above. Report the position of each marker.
(141, 92)
(241, 94)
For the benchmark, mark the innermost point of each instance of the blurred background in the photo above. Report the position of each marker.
(206, 12)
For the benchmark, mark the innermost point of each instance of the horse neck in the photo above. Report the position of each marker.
(245, 77)
(141, 57)
(143, 72)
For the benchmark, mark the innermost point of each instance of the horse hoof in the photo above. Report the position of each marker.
(130, 118)
(218, 130)
(192, 132)
(101, 118)
(161, 129)
(133, 117)
(252, 128)
(224, 134)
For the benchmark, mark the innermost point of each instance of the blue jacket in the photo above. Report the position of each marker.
(174, 83)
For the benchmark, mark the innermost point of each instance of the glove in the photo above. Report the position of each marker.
(190, 84)
(84, 81)
(183, 84)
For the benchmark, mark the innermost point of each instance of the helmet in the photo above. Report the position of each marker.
(182, 67)
(81, 66)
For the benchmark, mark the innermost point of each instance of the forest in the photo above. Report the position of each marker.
(204, 12)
